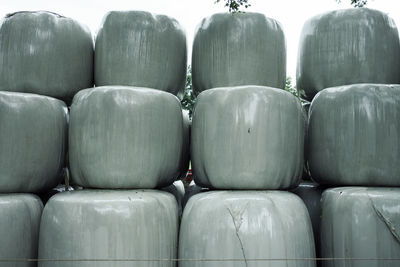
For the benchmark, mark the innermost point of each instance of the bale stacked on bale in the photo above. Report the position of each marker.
(128, 134)
(42, 55)
(348, 59)
(244, 136)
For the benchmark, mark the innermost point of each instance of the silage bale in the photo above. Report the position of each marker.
(360, 223)
(246, 228)
(19, 229)
(247, 137)
(45, 53)
(353, 135)
(238, 49)
(125, 137)
(357, 45)
(138, 48)
(114, 225)
(33, 137)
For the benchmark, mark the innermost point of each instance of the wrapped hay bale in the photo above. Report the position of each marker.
(239, 49)
(357, 45)
(45, 53)
(247, 137)
(33, 135)
(353, 135)
(19, 229)
(141, 49)
(360, 223)
(246, 228)
(109, 225)
(125, 137)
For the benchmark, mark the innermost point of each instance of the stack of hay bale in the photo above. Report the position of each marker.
(247, 135)
(349, 67)
(123, 136)
(44, 60)
(126, 134)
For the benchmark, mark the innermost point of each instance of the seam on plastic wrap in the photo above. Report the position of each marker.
(387, 222)
(237, 227)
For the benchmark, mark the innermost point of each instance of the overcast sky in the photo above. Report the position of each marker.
(291, 13)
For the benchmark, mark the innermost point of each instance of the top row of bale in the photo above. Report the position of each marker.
(48, 54)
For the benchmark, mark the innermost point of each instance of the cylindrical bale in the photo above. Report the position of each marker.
(109, 228)
(247, 137)
(141, 49)
(361, 223)
(246, 228)
(357, 45)
(311, 193)
(33, 135)
(125, 137)
(239, 49)
(19, 229)
(45, 53)
(353, 135)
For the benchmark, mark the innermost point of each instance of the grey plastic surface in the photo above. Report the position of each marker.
(245, 225)
(46, 54)
(247, 137)
(19, 228)
(238, 49)
(125, 137)
(357, 45)
(33, 135)
(354, 134)
(141, 49)
(109, 224)
(360, 222)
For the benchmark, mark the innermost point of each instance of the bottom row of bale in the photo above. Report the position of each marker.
(359, 226)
